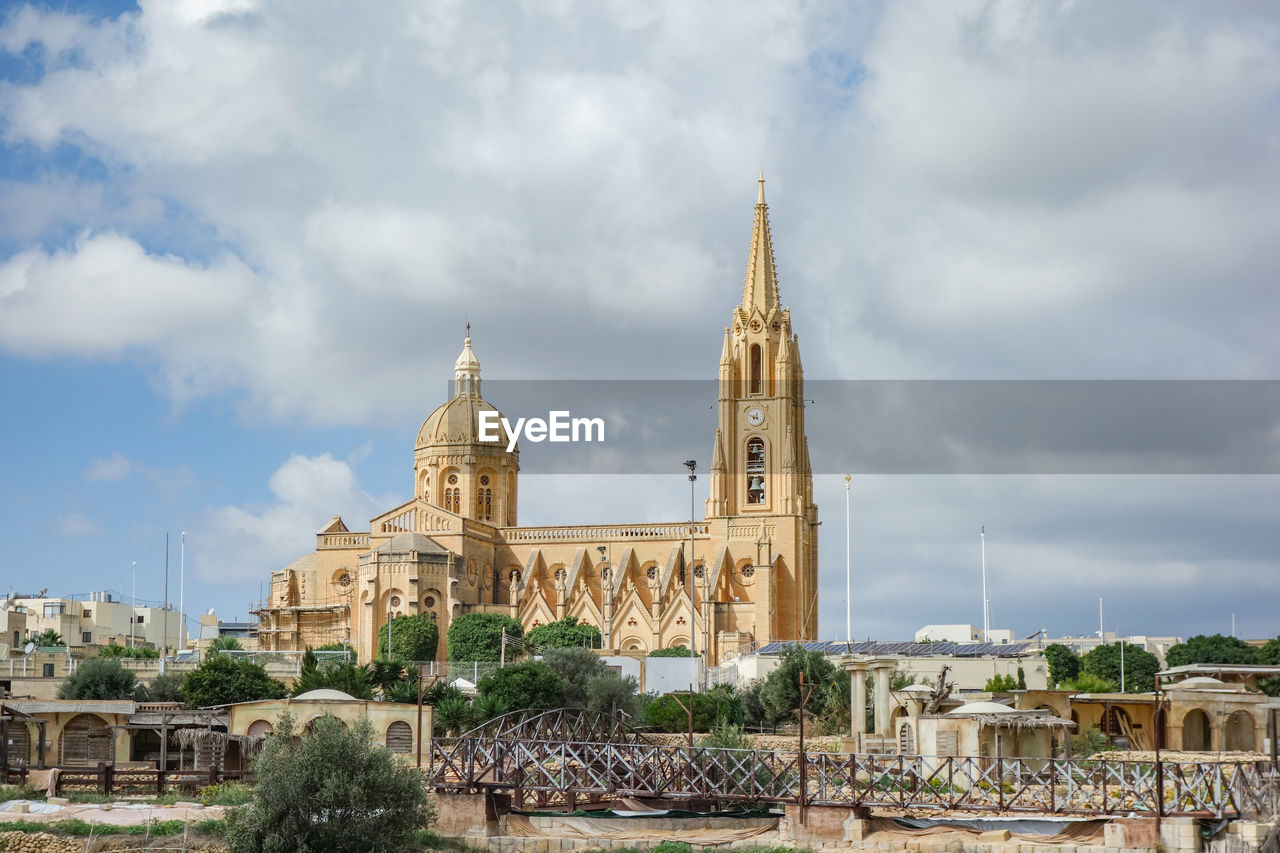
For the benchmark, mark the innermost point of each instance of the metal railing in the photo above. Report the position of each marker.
(550, 772)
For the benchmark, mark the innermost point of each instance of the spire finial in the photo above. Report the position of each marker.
(468, 328)
(761, 288)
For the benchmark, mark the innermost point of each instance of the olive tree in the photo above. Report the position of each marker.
(333, 789)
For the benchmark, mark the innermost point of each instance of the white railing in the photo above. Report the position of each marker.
(604, 532)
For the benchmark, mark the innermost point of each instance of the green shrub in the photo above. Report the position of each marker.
(99, 679)
(89, 797)
(566, 633)
(478, 636)
(727, 737)
(21, 826)
(336, 790)
(216, 828)
(672, 652)
(672, 847)
(20, 792)
(226, 794)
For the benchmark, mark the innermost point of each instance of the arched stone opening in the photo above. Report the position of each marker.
(1195, 731)
(1238, 733)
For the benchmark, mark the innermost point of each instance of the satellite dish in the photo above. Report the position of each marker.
(28, 648)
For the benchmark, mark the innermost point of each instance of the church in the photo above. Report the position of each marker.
(745, 575)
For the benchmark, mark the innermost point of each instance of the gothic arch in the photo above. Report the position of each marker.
(755, 453)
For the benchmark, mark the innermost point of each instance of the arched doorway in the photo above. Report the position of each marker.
(1238, 733)
(86, 740)
(1195, 731)
(400, 737)
(906, 740)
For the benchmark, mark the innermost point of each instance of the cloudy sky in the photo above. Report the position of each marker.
(239, 241)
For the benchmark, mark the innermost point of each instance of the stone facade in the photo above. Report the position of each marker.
(456, 546)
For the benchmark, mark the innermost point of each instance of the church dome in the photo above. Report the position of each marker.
(458, 422)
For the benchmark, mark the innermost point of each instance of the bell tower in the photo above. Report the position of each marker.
(760, 462)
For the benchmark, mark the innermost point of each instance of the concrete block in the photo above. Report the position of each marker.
(20, 808)
(994, 835)
(58, 801)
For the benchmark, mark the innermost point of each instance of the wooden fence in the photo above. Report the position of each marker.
(110, 780)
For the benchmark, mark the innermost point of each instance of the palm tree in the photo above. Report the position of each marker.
(453, 716)
(47, 638)
(225, 644)
(384, 673)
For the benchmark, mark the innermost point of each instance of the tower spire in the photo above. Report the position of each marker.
(761, 289)
(466, 370)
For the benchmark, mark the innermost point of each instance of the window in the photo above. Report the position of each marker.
(86, 637)
(48, 670)
(484, 503)
(54, 609)
(88, 614)
(755, 471)
(141, 619)
(757, 383)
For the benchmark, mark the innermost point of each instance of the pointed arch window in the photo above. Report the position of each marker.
(755, 471)
(484, 500)
(452, 493)
(757, 382)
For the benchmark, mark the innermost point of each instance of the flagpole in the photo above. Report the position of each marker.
(182, 588)
(133, 603)
(848, 566)
(986, 603)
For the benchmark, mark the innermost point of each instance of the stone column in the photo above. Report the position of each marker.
(881, 671)
(858, 701)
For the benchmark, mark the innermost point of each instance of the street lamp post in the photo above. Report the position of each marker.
(692, 465)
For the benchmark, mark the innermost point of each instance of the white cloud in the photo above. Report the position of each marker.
(113, 467)
(240, 544)
(75, 525)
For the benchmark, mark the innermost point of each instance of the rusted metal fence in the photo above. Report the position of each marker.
(111, 780)
(550, 772)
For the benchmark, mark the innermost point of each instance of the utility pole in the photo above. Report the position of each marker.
(164, 609)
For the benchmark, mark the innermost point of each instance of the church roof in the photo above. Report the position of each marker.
(412, 542)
